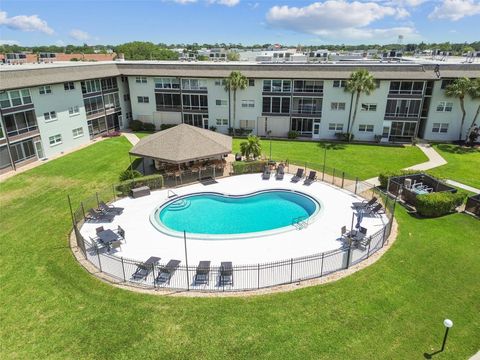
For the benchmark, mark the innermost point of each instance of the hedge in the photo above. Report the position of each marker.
(152, 181)
(242, 167)
(438, 204)
(384, 176)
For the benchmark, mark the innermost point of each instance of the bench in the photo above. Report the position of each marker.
(140, 191)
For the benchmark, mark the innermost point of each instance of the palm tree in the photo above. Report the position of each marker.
(361, 81)
(251, 147)
(474, 92)
(235, 81)
(459, 89)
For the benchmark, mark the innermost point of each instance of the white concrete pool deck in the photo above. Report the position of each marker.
(322, 234)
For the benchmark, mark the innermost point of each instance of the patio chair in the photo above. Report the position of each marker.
(121, 233)
(166, 272)
(365, 204)
(93, 215)
(311, 178)
(280, 172)
(143, 269)
(266, 173)
(99, 229)
(226, 273)
(110, 209)
(202, 273)
(377, 209)
(298, 175)
(114, 245)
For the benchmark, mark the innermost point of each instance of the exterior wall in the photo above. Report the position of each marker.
(217, 92)
(278, 125)
(123, 89)
(250, 93)
(60, 100)
(141, 111)
(331, 94)
(166, 117)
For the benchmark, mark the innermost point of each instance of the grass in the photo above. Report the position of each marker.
(142, 134)
(364, 161)
(463, 164)
(52, 308)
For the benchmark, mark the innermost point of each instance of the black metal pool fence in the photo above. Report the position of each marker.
(243, 277)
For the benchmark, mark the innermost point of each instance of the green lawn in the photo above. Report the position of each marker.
(51, 308)
(364, 161)
(463, 164)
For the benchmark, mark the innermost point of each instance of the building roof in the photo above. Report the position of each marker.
(18, 76)
(183, 143)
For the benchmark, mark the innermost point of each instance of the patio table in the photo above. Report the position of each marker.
(107, 236)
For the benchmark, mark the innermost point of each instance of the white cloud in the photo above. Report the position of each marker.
(25, 23)
(79, 35)
(9, 42)
(229, 3)
(455, 9)
(365, 34)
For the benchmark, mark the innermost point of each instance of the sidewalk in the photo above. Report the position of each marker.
(131, 137)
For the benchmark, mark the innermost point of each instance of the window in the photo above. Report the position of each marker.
(93, 105)
(20, 122)
(220, 82)
(365, 128)
(167, 83)
(406, 87)
(440, 128)
(22, 150)
(109, 83)
(276, 105)
(50, 116)
(195, 102)
(221, 102)
(334, 106)
(339, 83)
(78, 132)
(277, 85)
(446, 82)
(111, 101)
(197, 120)
(55, 140)
(307, 105)
(90, 86)
(248, 103)
(141, 79)
(403, 108)
(251, 82)
(335, 127)
(222, 122)
(74, 110)
(168, 101)
(15, 98)
(126, 97)
(143, 99)
(45, 90)
(247, 124)
(194, 84)
(444, 106)
(308, 86)
(302, 125)
(69, 85)
(369, 107)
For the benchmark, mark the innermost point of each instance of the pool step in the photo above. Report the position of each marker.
(180, 204)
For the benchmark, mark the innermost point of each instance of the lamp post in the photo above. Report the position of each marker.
(270, 138)
(448, 324)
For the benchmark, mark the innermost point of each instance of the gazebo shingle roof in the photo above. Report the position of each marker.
(183, 143)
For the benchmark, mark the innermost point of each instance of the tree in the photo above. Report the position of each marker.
(236, 81)
(251, 147)
(233, 56)
(474, 92)
(361, 81)
(140, 50)
(459, 89)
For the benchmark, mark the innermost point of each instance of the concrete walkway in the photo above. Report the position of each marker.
(131, 137)
(463, 186)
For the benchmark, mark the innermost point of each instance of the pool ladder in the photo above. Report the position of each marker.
(300, 222)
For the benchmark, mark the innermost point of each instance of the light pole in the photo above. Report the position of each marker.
(448, 324)
(270, 138)
(324, 159)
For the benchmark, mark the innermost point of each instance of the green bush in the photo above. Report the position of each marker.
(167, 126)
(136, 125)
(383, 177)
(148, 127)
(242, 167)
(438, 204)
(129, 174)
(293, 134)
(344, 136)
(152, 181)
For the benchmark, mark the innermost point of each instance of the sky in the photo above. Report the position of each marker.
(287, 22)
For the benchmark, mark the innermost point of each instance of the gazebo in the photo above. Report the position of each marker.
(184, 149)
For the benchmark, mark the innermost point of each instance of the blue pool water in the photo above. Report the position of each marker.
(219, 214)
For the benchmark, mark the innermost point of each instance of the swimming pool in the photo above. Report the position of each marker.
(215, 214)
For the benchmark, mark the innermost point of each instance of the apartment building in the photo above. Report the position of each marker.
(50, 108)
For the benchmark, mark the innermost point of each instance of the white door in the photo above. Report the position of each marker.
(316, 129)
(39, 149)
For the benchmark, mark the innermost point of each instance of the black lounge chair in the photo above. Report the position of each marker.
(266, 173)
(226, 273)
(365, 204)
(202, 274)
(95, 216)
(311, 178)
(166, 272)
(377, 209)
(280, 172)
(298, 175)
(110, 209)
(121, 233)
(143, 269)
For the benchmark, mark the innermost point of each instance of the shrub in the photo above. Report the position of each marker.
(167, 126)
(136, 125)
(129, 174)
(438, 204)
(344, 136)
(148, 127)
(230, 131)
(152, 181)
(377, 138)
(383, 177)
(213, 128)
(293, 134)
(242, 167)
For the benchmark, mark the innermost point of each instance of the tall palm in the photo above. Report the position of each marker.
(235, 81)
(361, 81)
(251, 147)
(474, 92)
(459, 89)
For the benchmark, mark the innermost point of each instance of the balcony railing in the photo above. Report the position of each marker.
(14, 132)
(306, 109)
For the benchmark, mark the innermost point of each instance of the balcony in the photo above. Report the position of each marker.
(401, 115)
